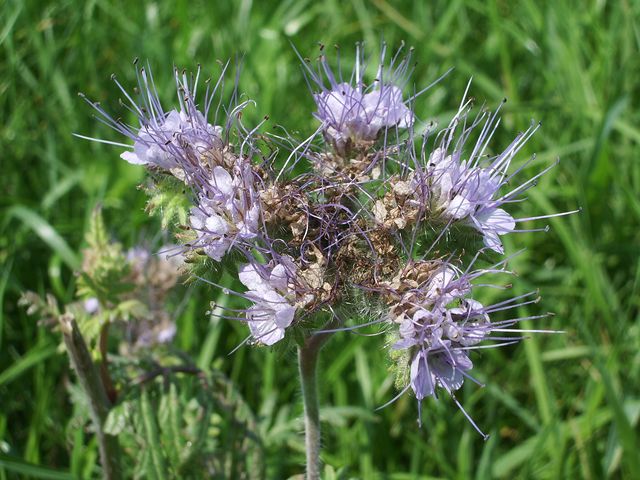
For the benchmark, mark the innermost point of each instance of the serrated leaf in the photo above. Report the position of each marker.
(156, 467)
(117, 419)
(170, 420)
(105, 269)
(130, 309)
(96, 235)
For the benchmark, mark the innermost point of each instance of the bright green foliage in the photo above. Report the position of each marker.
(171, 419)
(185, 425)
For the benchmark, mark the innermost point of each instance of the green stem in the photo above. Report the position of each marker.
(309, 382)
(93, 387)
(308, 363)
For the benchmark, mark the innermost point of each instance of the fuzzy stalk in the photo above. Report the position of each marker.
(308, 355)
(99, 403)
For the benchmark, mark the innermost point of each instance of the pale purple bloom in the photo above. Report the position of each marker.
(167, 334)
(310, 238)
(164, 141)
(152, 335)
(273, 296)
(441, 328)
(422, 381)
(227, 211)
(444, 368)
(174, 140)
(461, 191)
(437, 306)
(91, 305)
(350, 111)
(138, 257)
(212, 229)
(445, 286)
(460, 182)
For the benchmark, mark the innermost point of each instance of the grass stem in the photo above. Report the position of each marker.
(93, 387)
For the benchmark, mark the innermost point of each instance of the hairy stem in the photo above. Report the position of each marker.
(99, 403)
(308, 360)
(104, 365)
(308, 363)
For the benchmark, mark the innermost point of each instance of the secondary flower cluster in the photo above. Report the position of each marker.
(373, 220)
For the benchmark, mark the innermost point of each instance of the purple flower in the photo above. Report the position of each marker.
(271, 290)
(460, 183)
(163, 141)
(347, 113)
(351, 112)
(152, 335)
(91, 305)
(466, 192)
(176, 140)
(438, 369)
(227, 211)
(423, 382)
(440, 326)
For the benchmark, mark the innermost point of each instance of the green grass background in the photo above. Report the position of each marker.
(556, 406)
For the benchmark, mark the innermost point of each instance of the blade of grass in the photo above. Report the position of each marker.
(628, 436)
(30, 359)
(46, 232)
(3, 288)
(19, 466)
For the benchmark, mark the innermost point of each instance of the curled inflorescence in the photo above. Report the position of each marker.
(373, 224)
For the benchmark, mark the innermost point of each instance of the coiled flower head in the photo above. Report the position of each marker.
(439, 326)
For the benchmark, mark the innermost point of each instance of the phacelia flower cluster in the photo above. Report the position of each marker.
(362, 213)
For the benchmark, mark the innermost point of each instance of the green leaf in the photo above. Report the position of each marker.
(169, 416)
(130, 309)
(117, 419)
(157, 468)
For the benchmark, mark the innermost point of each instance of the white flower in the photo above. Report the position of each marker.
(272, 311)
(227, 211)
